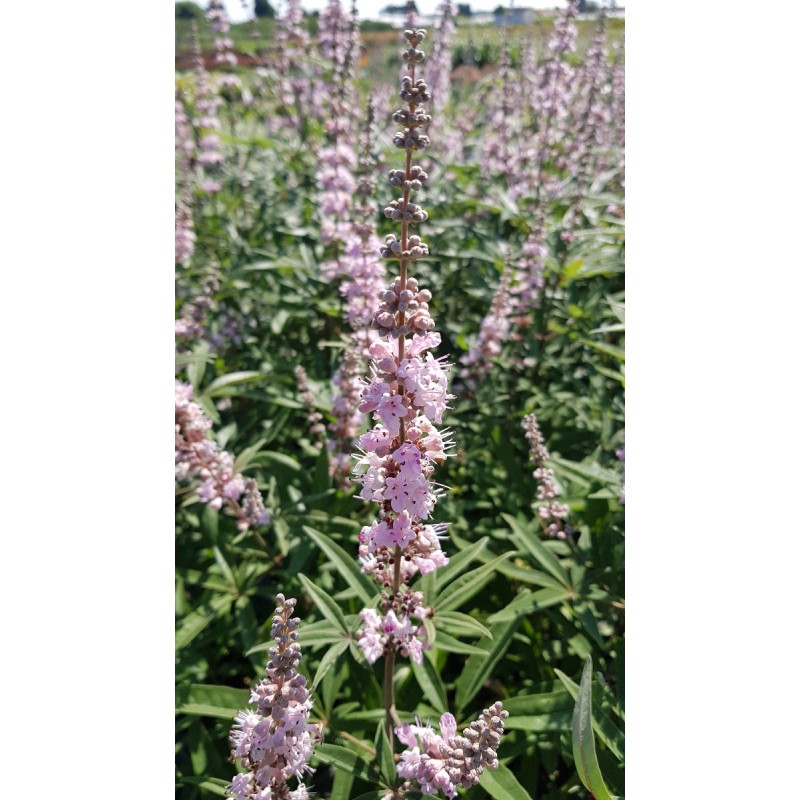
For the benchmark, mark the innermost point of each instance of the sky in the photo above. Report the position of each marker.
(371, 8)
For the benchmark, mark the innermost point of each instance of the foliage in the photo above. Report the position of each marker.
(518, 617)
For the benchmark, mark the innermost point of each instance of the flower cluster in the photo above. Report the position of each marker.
(394, 628)
(530, 269)
(337, 185)
(347, 419)
(552, 514)
(493, 333)
(199, 458)
(440, 62)
(184, 151)
(442, 762)
(206, 104)
(364, 276)
(223, 44)
(407, 396)
(275, 741)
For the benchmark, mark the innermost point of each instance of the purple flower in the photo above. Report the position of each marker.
(201, 460)
(275, 741)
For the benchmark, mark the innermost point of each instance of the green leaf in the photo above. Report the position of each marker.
(346, 564)
(328, 660)
(540, 723)
(385, 759)
(344, 759)
(246, 456)
(603, 347)
(611, 735)
(478, 668)
(430, 682)
(528, 602)
(194, 623)
(539, 704)
(589, 472)
(501, 784)
(292, 464)
(527, 575)
(211, 701)
(536, 548)
(314, 634)
(216, 786)
(583, 738)
(197, 367)
(326, 605)
(460, 624)
(452, 645)
(459, 562)
(221, 386)
(467, 585)
(225, 568)
(342, 785)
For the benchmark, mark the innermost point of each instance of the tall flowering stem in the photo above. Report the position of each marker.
(552, 515)
(407, 394)
(364, 277)
(275, 741)
(184, 155)
(206, 121)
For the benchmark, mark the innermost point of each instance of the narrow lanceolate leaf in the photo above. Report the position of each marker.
(431, 684)
(211, 701)
(603, 726)
(345, 563)
(342, 785)
(459, 562)
(461, 590)
(458, 624)
(221, 386)
(246, 456)
(533, 544)
(478, 668)
(317, 634)
(328, 660)
(583, 738)
(192, 624)
(530, 602)
(385, 758)
(539, 704)
(452, 645)
(225, 568)
(554, 721)
(326, 605)
(216, 786)
(535, 577)
(501, 784)
(342, 758)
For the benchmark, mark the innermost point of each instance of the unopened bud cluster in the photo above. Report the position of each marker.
(411, 303)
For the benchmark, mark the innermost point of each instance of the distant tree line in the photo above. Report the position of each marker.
(185, 9)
